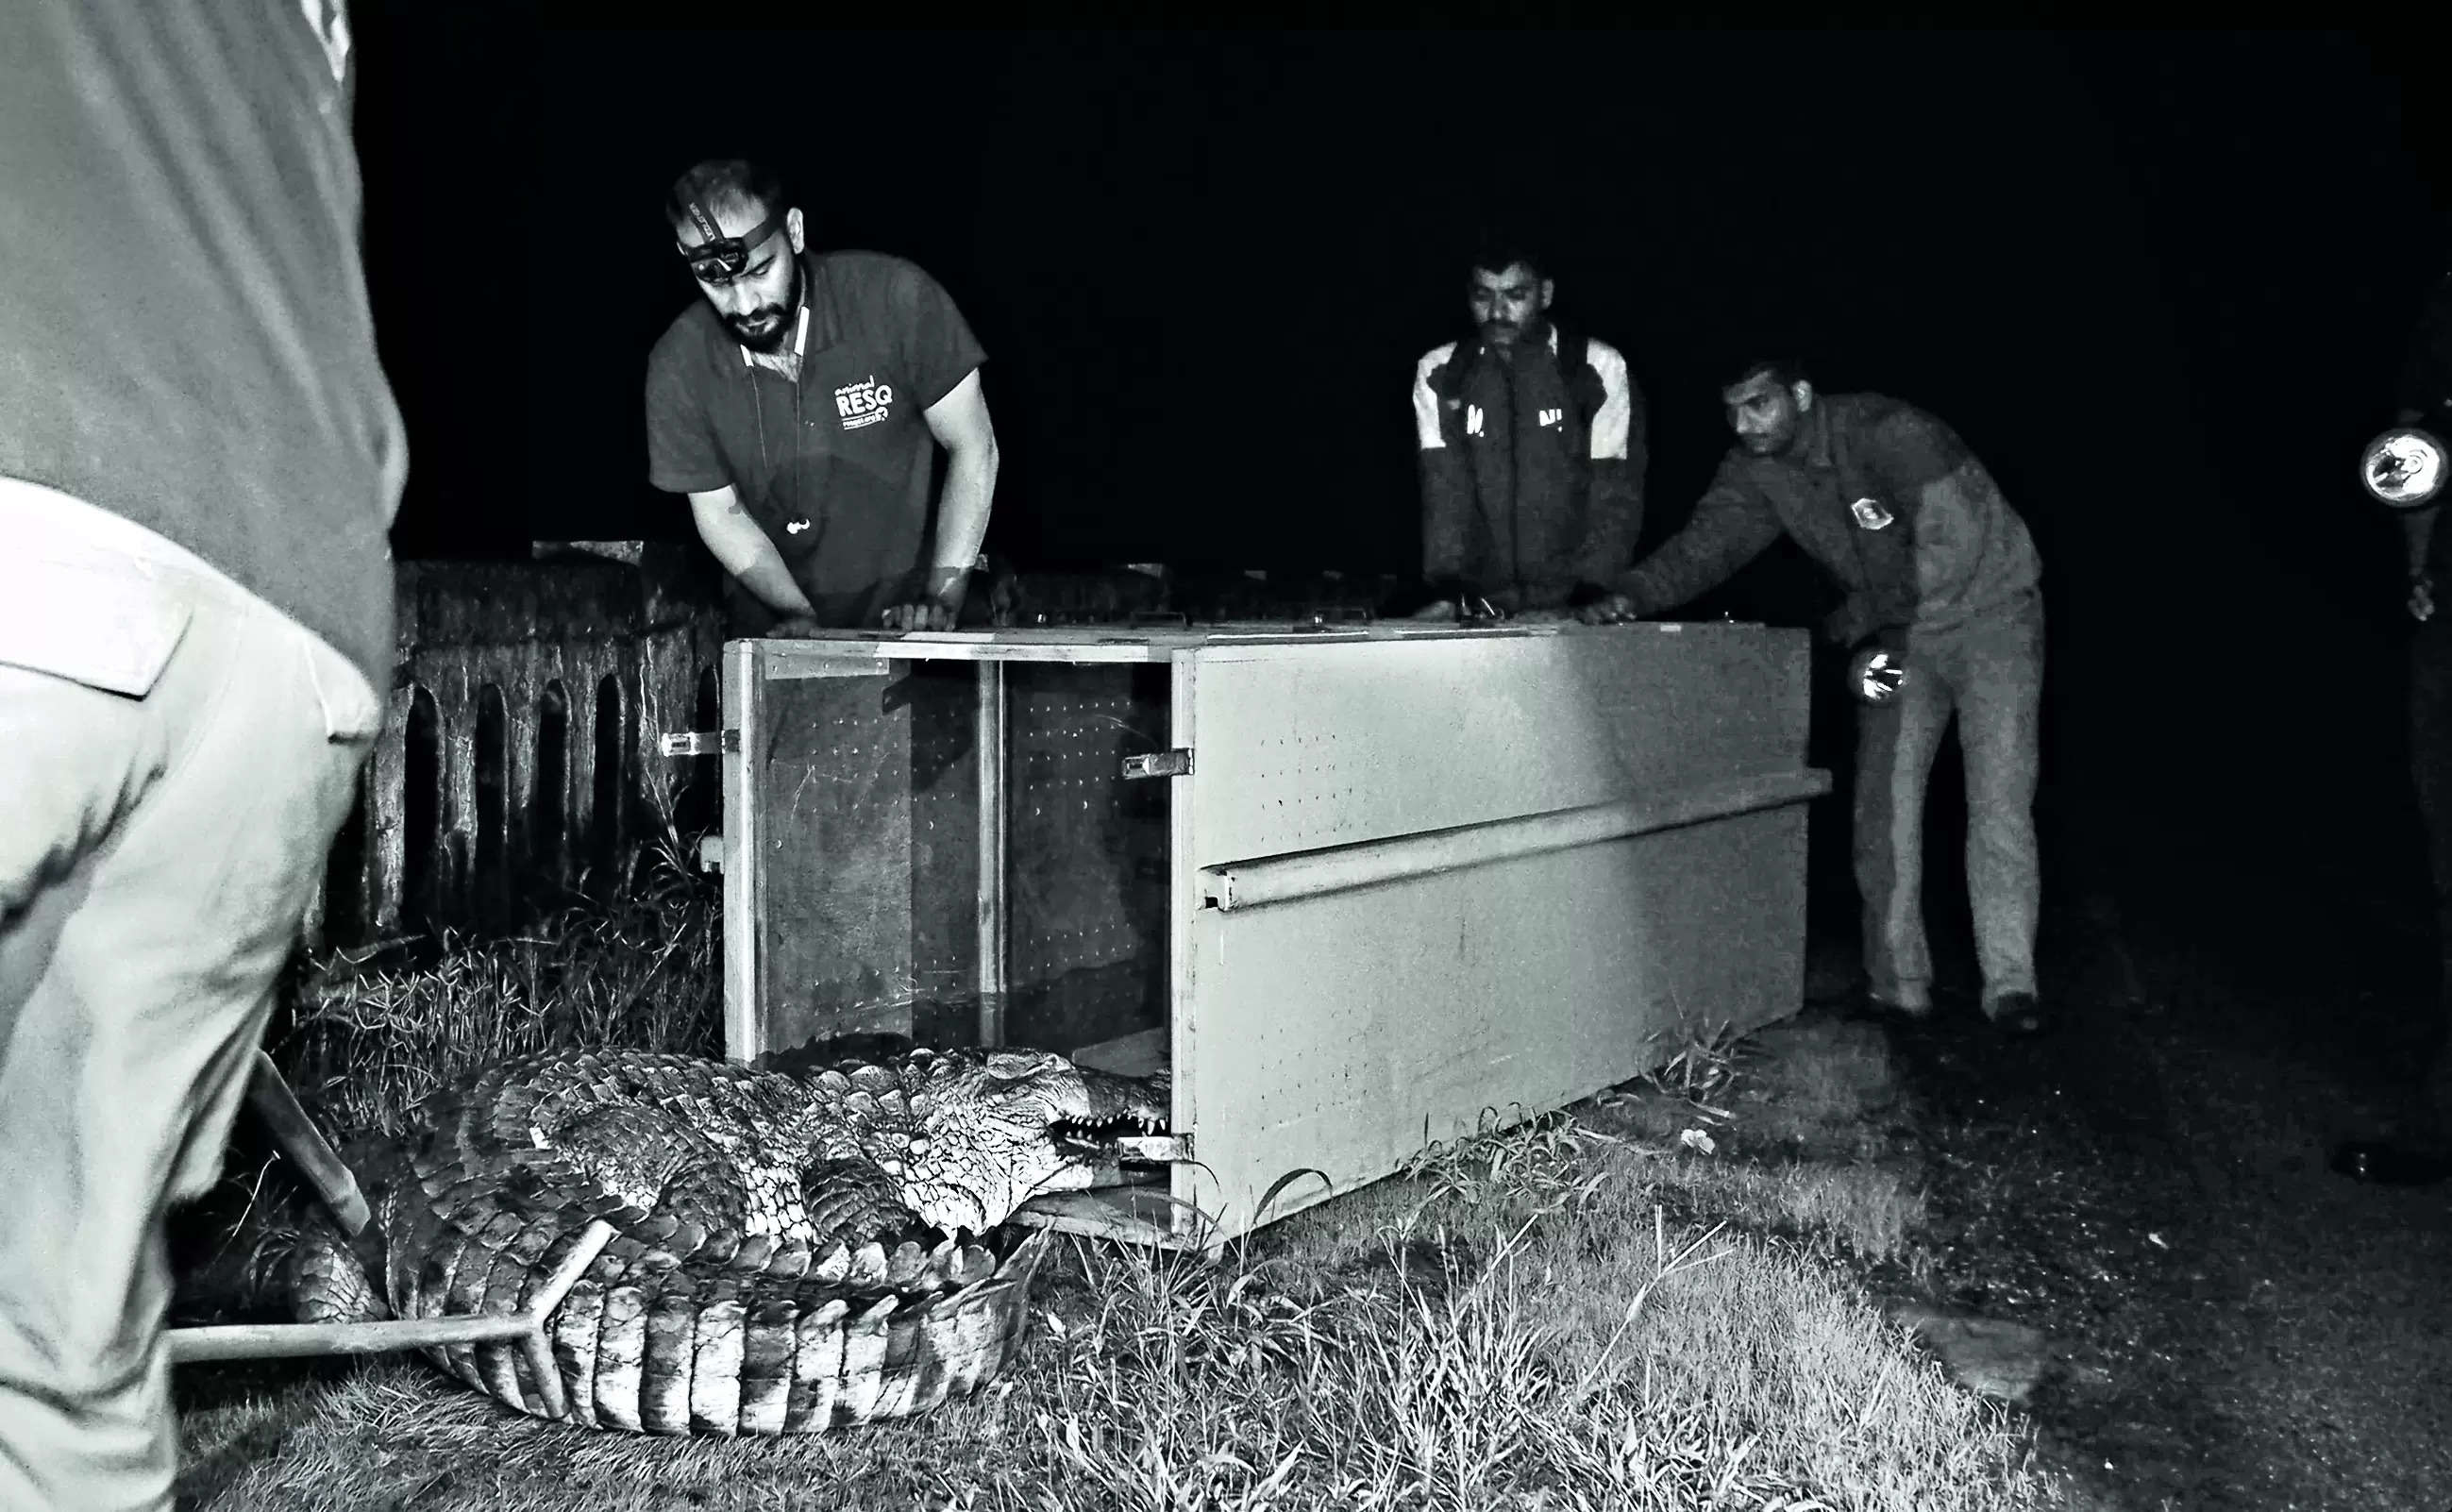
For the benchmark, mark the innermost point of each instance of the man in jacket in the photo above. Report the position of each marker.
(1532, 447)
(1939, 571)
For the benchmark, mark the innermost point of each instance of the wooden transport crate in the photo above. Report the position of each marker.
(1360, 889)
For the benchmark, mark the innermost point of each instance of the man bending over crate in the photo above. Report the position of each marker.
(799, 404)
(1942, 575)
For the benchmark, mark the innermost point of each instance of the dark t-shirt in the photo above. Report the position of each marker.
(184, 339)
(836, 468)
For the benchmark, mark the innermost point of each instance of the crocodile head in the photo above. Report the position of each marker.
(976, 1135)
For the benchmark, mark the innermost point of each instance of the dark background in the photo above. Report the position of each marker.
(2162, 283)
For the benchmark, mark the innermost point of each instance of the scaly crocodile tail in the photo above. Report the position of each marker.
(676, 1353)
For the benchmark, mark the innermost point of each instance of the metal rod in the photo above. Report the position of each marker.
(1256, 884)
(540, 1349)
(304, 1142)
(592, 1241)
(280, 1341)
(283, 1340)
(991, 947)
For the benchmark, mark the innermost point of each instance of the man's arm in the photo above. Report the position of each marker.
(745, 552)
(1618, 454)
(1732, 524)
(1446, 477)
(959, 421)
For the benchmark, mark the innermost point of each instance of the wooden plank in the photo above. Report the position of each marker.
(1183, 901)
(744, 1018)
(808, 658)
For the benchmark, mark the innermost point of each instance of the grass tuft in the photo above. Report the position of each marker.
(369, 1034)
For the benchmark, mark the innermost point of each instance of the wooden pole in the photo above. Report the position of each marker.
(304, 1142)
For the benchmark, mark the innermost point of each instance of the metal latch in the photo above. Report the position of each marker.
(698, 743)
(1136, 1154)
(1177, 762)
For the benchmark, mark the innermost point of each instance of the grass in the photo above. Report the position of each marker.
(368, 1034)
(1644, 1302)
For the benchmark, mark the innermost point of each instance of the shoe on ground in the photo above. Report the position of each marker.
(2018, 1013)
(1864, 1003)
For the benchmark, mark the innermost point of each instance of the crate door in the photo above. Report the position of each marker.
(852, 847)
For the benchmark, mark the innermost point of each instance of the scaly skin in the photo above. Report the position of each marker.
(793, 1253)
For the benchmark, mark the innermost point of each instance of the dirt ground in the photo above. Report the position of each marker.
(2238, 1327)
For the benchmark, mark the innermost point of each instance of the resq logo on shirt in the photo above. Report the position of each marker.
(864, 403)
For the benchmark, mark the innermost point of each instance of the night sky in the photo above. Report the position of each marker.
(2160, 284)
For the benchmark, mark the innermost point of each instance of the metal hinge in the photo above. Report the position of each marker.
(1177, 762)
(698, 743)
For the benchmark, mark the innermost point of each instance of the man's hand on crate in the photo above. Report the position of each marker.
(934, 604)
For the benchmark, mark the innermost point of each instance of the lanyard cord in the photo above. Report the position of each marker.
(757, 404)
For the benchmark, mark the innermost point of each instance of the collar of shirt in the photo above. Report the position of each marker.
(789, 366)
(1813, 447)
(1477, 349)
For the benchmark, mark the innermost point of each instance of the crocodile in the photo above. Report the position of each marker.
(792, 1251)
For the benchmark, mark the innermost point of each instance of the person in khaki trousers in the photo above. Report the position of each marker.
(198, 461)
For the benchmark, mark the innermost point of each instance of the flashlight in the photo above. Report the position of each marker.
(1876, 674)
(2404, 467)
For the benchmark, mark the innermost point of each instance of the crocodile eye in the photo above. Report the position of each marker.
(1012, 1065)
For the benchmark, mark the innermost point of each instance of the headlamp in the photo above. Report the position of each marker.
(2404, 467)
(719, 259)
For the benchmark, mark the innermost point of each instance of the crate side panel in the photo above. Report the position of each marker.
(1341, 1032)
(1304, 747)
